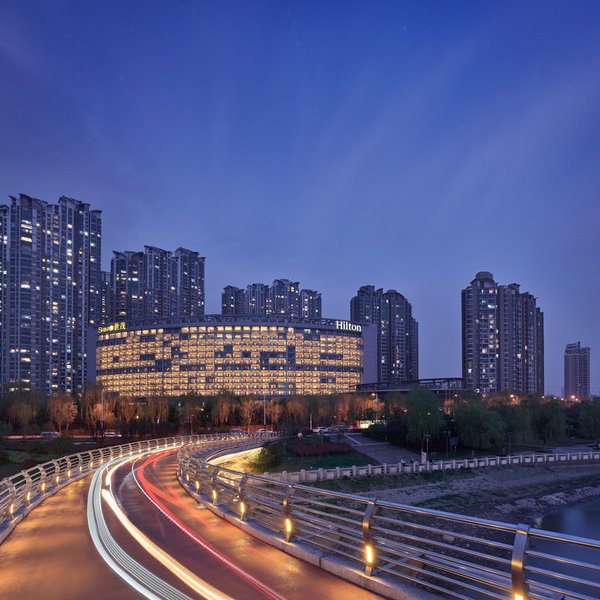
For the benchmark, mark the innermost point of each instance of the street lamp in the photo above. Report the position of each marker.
(427, 436)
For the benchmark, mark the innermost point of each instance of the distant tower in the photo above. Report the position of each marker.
(285, 298)
(502, 338)
(156, 283)
(577, 372)
(257, 302)
(233, 301)
(310, 304)
(397, 332)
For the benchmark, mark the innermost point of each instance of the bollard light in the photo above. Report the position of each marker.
(288, 529)
(370, 555)
(242, 509)
(197, 486)
(11, 509)
(214, 496)
(518, 597)
(28, 497)
(43, 487)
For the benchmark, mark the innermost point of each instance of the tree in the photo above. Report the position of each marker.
(248, 408)
(423, 415)
(478, 426)
(515, 416)
(222, 408)
(549, 419)
(62, 410)
(20, 414)
(274, 411)
(298, 410)
(590, 418)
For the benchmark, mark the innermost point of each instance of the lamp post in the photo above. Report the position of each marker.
(427, 436)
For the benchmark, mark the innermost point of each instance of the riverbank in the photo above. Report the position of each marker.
(515, 494)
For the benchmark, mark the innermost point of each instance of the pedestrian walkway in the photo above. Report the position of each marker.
(382, 452)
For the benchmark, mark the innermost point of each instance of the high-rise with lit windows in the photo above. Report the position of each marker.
(51, 292)
(233, 301)
(156, 283)
(310, 304)
(577, 372)
(397, 332)
(502, 338)
(283, 299)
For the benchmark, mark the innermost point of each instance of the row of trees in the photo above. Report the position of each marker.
(496, 422)
(409, 418)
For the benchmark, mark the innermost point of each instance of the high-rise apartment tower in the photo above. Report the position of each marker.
(502, 338)
(397, 332)
(50, 293)
(577, 372)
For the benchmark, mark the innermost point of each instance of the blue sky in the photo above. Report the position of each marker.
(402, 144)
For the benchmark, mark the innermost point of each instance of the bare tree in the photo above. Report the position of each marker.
(248, 409)
(20, 414)
(62, 410)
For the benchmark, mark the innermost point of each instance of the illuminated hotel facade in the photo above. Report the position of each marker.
(265, 356)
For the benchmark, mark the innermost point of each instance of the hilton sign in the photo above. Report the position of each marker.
(347, 326)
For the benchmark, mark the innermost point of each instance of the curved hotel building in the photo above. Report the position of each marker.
(272, 356)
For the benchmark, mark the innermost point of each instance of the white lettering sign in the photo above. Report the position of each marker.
(347, 326)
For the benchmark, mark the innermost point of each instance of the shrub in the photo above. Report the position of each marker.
(62, 445)
(307, 449)
(37, 447)
(6, 429)
(267, 459)
(376, 432)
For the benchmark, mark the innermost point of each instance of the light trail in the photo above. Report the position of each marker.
(132, 572)
(195, 583)
(146, 487)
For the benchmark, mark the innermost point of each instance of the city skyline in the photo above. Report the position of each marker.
(341, 145)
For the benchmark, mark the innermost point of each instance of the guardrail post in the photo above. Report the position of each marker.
(517, 564)
(288, 525)
(56, 472)
(27, 488)
(213, 485)
(242, 497)
(370, 554)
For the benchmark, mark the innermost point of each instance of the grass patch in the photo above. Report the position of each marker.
(386, 482)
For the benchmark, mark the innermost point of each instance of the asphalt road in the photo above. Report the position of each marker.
(50, 554)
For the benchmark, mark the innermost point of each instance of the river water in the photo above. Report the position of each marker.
(582, 520)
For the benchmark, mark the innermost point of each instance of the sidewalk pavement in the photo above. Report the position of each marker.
(382, 452)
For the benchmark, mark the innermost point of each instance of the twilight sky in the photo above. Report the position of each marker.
(406, 145)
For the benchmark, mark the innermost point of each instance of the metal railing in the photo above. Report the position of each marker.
(23, 491)
(447, 554)
(404, 468)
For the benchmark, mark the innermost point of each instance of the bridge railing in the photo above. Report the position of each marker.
(403, 468)
(23, 491)
(443, 553)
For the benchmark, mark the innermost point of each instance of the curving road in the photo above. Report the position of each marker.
(52, 550)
